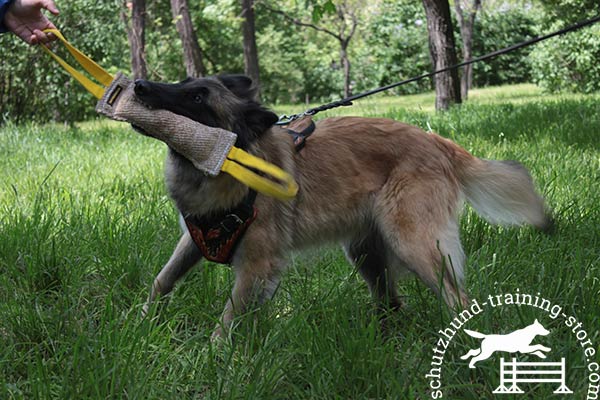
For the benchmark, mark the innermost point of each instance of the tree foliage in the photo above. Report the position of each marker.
(396, 47)
(496, 29)
(569, 62)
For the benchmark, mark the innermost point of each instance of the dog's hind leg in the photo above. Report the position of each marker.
(483, 355)
(368, 254)
(471, 353)
(418, 220)
(185, 256)
(436, 260)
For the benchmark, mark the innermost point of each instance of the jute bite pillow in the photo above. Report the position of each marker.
(206, 147)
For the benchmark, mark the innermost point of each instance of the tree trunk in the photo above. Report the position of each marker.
(136, 36)
(346, 67)
(466, 11)
(443, 53)
(251, 67)
(192, 54)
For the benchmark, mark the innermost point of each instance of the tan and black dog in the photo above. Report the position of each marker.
(389, 192)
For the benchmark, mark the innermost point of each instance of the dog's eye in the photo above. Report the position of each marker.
(200, 94)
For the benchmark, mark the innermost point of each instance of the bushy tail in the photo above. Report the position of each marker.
(475, 334)
(502, 192)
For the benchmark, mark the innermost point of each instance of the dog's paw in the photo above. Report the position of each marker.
(539, 354)
(145, 310)
(218, 335)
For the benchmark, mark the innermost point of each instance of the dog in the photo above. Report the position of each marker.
(389, 192)
(517, 341)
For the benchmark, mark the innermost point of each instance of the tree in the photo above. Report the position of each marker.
(442, 52)
(251, 66)
(192, 53)
(343, 17)
(466, 11)
(135, 27)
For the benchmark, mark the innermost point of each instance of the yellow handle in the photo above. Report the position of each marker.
(284, 191)
(87, 63)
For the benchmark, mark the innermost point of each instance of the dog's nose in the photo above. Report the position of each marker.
(141, 87)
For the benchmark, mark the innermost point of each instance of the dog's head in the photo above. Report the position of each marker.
(539, 328)
(226, 101)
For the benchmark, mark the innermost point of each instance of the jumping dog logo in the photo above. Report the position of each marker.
(519, 341)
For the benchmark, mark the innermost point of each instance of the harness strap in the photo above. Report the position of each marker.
(300, 137)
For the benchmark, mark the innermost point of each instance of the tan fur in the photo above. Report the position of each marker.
(389, 192)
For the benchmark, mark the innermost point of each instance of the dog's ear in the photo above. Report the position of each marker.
(240, 85)
(260, 119)
(254, 121)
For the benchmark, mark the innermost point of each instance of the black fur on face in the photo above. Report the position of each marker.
(225, 101)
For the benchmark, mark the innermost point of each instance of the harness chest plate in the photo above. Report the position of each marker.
(217, 237)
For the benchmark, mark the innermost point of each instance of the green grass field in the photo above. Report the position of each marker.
(85, 224)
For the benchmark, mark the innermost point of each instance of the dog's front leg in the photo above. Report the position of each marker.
(185, 256)
(254, 284)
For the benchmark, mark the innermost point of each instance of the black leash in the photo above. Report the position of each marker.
(286, 119)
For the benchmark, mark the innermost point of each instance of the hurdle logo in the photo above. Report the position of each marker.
(519, 341)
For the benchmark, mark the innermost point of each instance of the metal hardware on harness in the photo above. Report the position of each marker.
(286, 119)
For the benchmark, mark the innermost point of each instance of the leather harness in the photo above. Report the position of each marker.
(218, 235)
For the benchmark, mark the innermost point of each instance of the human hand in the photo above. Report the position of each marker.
(26, 20)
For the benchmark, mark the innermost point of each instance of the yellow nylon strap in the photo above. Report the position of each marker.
(88, 64)
(283, 191)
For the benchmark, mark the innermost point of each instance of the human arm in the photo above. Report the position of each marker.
(4, 4)
(26, 20)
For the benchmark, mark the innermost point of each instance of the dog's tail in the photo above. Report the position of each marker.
(474, 334)
(502, 192)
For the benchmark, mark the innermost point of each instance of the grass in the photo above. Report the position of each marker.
(86, 223)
